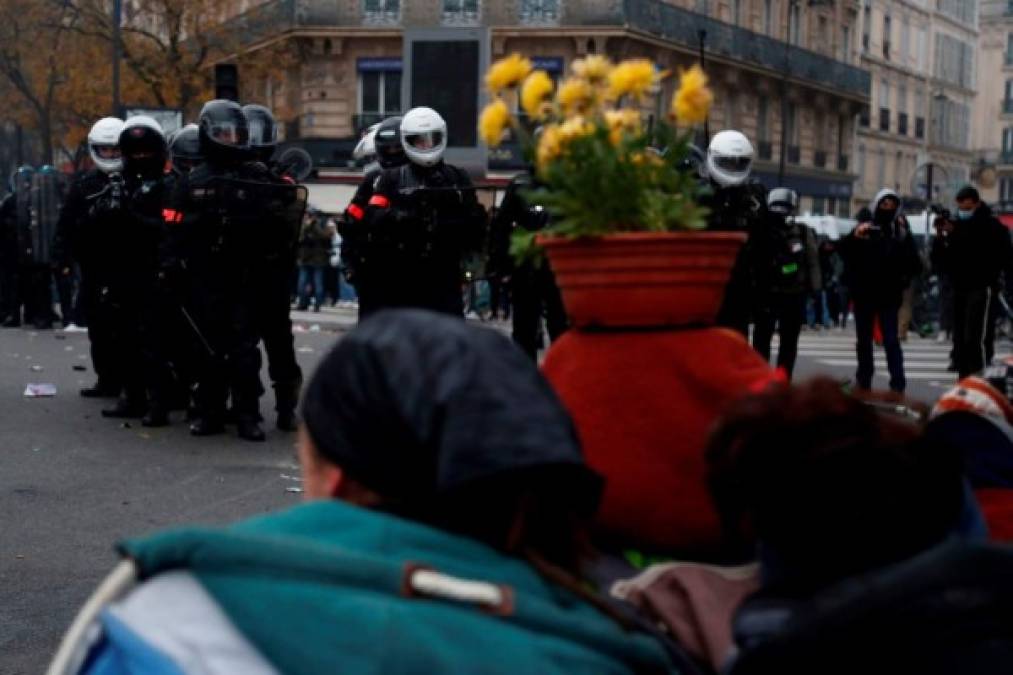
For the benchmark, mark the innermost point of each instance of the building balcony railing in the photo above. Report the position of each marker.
(820, 159)
(654, 17)
(764, 150)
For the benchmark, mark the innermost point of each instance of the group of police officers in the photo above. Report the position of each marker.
(184, 272)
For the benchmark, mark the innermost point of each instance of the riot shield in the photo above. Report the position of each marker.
(45, 202)
(266, 216)
(23, 222)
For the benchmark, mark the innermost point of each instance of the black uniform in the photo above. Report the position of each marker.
(355, 237)
(420, 224)
(83, 240)
(222, 230)
(785, 268)
(741, 208)
(10, 304)
(974, 257)
(533, 286)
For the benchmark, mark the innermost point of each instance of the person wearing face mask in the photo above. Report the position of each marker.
(880, 261)
(975, 253)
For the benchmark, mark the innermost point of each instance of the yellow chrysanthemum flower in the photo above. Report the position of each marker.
(550, 146)
(648, 158)
(692, 102)
(574, 95)
(575, 127)
(493, 122)
(635, 78)
(535, 90)
(622, 121)
(595, 68)
(507, 73)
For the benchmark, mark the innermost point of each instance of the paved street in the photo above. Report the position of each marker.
(73, 483)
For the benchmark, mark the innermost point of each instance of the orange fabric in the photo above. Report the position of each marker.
(379, 200)
(644, 404)
(997, 507)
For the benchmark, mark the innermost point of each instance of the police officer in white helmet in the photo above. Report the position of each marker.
(81, 243)
(737, 204)
(423, 220)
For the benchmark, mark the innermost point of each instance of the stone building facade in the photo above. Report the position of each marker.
(993, 113)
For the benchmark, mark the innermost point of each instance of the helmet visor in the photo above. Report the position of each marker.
(426, 140)
(109, 152)
(231, 133)
(734, 164)
(263, 132)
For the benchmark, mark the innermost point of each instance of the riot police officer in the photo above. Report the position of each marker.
(136, 302)
(273, 280)
(217, 221)
(384, 141)
(184, 150)
(82, 241)
(785, 267)
(15, 220)
(422, 219)
(533, 288)
(737, 204)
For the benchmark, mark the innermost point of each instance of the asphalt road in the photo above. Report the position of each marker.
(73, 483)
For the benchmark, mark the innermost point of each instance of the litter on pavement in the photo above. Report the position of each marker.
(40, 390)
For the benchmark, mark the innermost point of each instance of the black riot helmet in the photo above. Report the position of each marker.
(224, 133)
(143, 147)
(387, 143)
(184, 149)
(263, 131)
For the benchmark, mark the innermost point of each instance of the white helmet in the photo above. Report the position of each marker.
(366, 147)
(424, 136)
(729, 158)
(104, 144)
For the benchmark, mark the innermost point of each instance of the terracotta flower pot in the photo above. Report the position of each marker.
(642, 279)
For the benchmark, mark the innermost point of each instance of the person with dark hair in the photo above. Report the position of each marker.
(447, 534)
(880, 260)
(974, 254)
(867, 535)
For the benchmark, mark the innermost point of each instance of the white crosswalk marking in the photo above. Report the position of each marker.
(924, 360)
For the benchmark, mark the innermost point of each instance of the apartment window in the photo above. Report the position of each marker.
(736, 12)
(379, 95)
(1006, 190)
(846, 44)
(881, 168)
(902, 124)
(768, 17)
(961, 10)
(791, 131)
(764, 149)
(902, 109)
(460, 11)
(887, 34)
(1007, 140)
(823, 36)
(919, 128)
(861, 163)
(884, 106)
(841, 140)
(1007, 103)
(955, 60)
(866, 26)
(382, 10)
(701, 6)
(905, 40)
(795, 24)
(864, 117)
(1009, 49)
(536, 11)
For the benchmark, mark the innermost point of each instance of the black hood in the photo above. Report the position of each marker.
(414, 405)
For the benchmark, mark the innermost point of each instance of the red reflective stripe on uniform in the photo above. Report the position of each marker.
(288, 179)
(355, 211)
(172, 216)
(379, 200)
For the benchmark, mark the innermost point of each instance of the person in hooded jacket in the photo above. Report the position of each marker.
(974, 254)
(82, 240)
(422, 220)
(448, 507)
(880, 259)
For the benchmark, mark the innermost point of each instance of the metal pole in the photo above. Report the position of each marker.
(703, 66)
(781, 165)
(117, 53)
(19, 133)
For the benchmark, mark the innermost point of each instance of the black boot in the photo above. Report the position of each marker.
(11, 322)
(249, 429)
(157, 416)
(286, 397)
(206, 426)
(101, 390)
(126, 408)
(287, 420)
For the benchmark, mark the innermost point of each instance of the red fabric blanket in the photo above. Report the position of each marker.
(644, 404)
